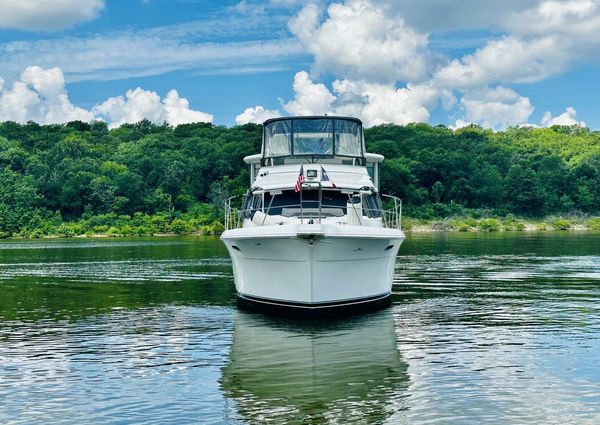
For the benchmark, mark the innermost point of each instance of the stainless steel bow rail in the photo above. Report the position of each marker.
(392, 216)
(390, 213)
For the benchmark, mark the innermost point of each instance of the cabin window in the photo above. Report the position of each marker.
(371, 170)
(372, 206)
(250, 204)
(287, 203)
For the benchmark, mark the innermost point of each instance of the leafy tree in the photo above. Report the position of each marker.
(141, 177)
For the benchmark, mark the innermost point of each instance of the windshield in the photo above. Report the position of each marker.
(314, 137)
(287, 203)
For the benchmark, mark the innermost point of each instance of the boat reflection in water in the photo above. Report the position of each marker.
(287, 371)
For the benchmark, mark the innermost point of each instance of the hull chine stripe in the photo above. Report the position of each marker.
(303, 305)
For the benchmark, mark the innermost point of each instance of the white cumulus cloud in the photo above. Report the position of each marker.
(40, 95)
(386, 71)
(257, 115)
(373, 103)
(47, 14)
(387, 74)
(377, 103)
(177, 110)
(545, 39)
(495, 108)
(569, 117)
(517, 17)
(139, 104)
(359, 41)
(310, 98)
(505, 60)
(568, 17)
(450, 15)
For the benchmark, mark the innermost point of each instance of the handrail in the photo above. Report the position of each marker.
(391, 217)
(394, 216)
(232, 215)
(320, 201)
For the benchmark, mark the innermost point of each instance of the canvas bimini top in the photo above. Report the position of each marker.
(296, 139)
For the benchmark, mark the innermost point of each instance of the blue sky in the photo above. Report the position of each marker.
(494, 63)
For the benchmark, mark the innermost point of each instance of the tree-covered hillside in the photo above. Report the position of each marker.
(529, 172)
(143, 178)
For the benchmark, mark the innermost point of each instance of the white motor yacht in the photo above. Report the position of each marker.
(313, 233)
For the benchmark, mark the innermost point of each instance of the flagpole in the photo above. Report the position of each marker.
(301, 210)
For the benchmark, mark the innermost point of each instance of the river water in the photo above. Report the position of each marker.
(484, 328)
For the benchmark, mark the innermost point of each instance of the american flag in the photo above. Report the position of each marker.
(325, 178)
(300, 179)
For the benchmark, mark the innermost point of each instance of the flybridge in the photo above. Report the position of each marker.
(337, 141)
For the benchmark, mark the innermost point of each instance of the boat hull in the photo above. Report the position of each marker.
(313, 268)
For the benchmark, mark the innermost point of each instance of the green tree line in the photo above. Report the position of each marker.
(144, 178)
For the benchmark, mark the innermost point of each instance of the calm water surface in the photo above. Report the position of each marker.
(484, 328)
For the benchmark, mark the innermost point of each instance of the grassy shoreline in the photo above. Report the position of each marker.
(106, 226)
(501, 224)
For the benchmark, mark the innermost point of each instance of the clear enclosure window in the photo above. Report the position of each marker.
(313, 137)
(278, 138)
(347, 138)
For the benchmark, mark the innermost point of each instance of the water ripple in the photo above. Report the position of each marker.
(483, 329)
